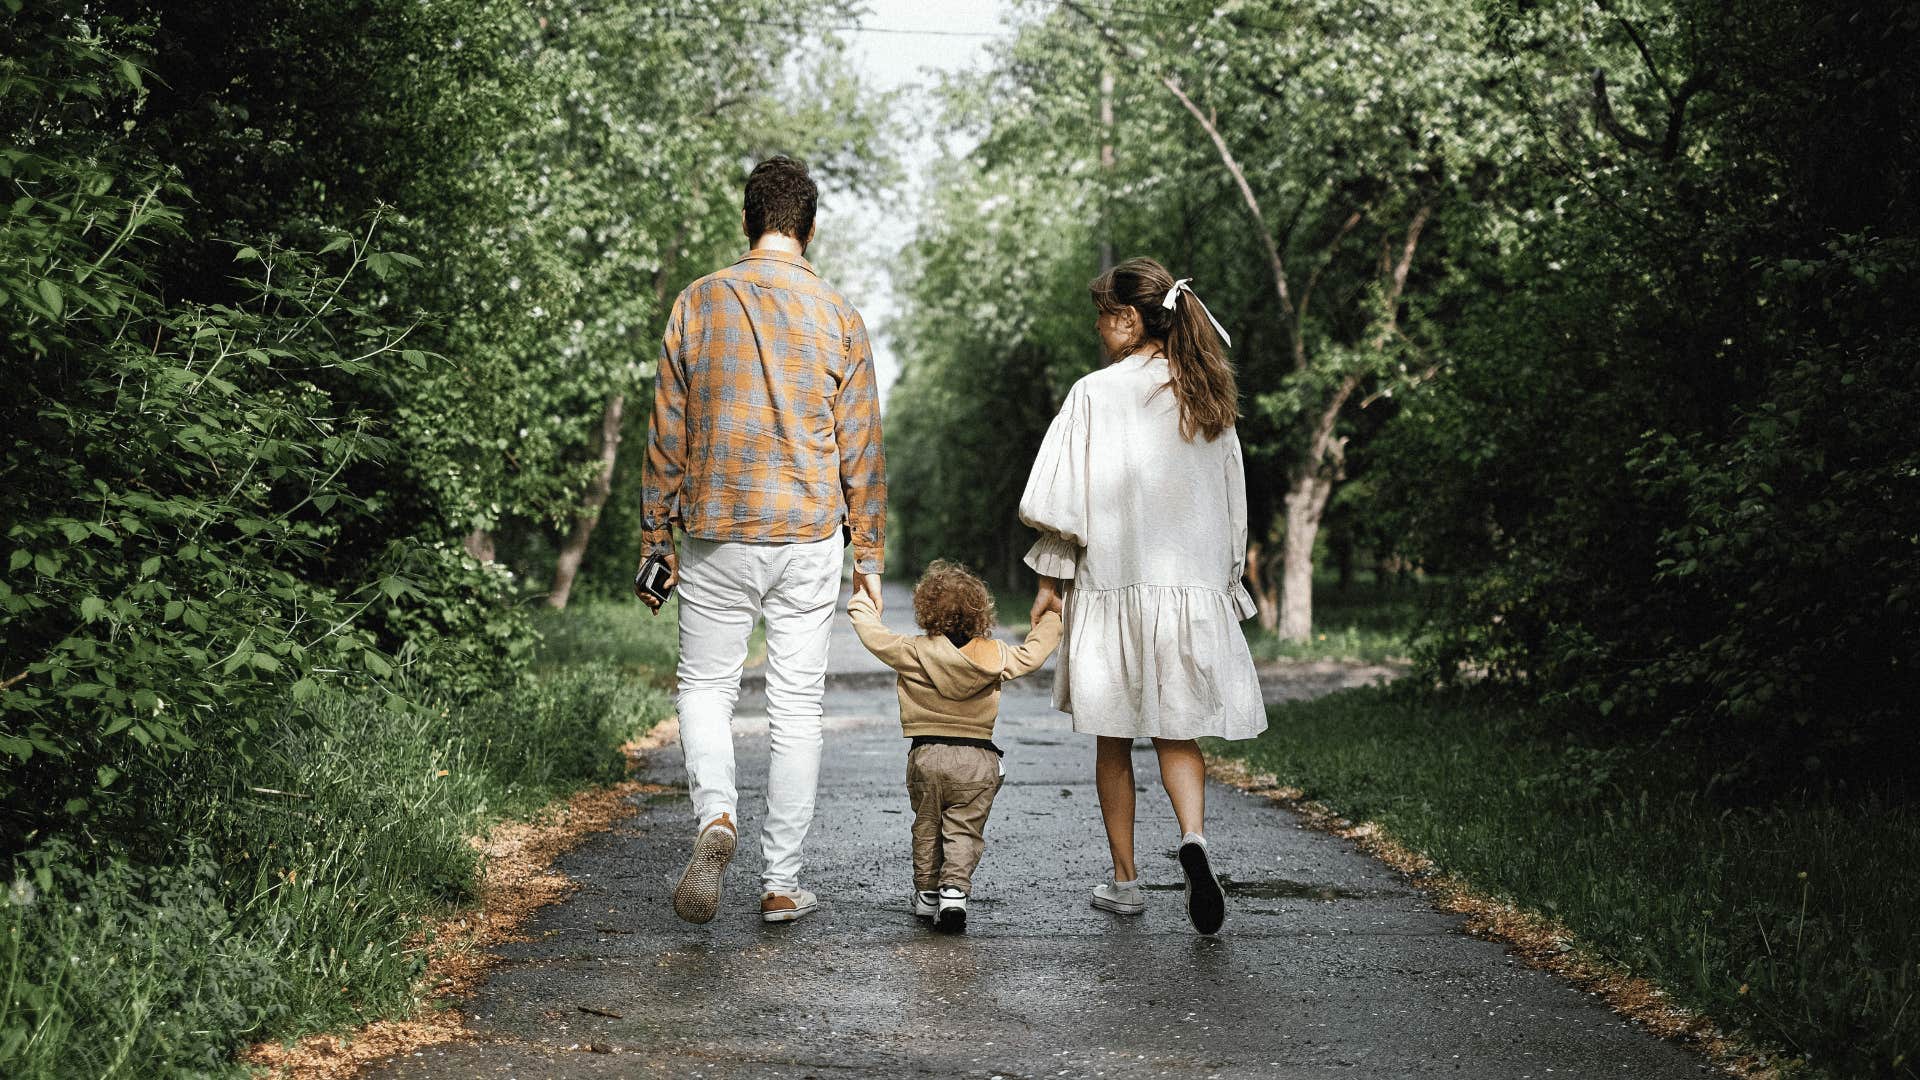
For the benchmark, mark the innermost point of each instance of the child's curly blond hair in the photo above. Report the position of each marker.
(950, 600)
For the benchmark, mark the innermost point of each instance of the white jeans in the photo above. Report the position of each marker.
(724, 586)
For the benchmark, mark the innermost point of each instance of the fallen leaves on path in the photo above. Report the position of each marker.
(516, 879)
(1537, 941)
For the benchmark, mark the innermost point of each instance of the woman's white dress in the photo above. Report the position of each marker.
(1152, 531)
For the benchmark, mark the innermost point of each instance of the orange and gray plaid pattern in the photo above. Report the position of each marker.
(766, 415)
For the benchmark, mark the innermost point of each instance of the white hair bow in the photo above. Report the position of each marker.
(1181, 286)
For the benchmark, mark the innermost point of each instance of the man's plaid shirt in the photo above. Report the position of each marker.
(766, 417)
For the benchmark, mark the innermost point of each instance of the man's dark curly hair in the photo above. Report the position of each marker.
(950, 600)
(781, 198)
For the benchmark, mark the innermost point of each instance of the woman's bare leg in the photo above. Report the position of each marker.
(1113, 779)
(1183, 771)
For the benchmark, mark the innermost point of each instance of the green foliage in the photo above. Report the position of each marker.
(291, 304)
(1670, 470)
(1371, 621)
(298, 881)
(1348, 121)
(1788, 921)
(620, 635)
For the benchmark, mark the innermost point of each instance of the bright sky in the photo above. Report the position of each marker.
(941, 40)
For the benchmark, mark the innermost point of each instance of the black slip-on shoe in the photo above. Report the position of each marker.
(1206, 901)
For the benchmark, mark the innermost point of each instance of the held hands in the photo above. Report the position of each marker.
(1046, 599)
(866, 590)
(673, 579)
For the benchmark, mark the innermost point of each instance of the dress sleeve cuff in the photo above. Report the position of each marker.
(1053, 556)
(1243, 602)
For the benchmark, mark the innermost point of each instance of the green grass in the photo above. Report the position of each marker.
(1367, 621)
(282, 892)
(619, 634)
(1793, 921)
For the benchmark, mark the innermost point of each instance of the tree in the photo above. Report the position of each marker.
(1229, 114)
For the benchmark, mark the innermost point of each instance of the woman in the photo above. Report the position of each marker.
(1140, 497)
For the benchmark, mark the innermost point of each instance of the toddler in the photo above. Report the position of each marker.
(949, 690)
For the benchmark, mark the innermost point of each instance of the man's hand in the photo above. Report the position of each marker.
(1046, 599)
(868, 585)
(673, 578)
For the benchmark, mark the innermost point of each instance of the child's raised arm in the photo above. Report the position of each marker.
(892, 649)
(1039, 645)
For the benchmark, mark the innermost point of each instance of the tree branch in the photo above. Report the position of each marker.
(1313, 279)
(1227, 159)
(1603, 113)
(1396, 283)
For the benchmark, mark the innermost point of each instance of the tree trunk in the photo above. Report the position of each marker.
(1306, 503)
(1266, 591)
(479, 544)
(574, 548)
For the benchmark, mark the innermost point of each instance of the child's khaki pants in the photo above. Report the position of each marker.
(952, 788)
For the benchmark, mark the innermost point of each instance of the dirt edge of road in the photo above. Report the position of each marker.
(517, 879)
(1530, 937)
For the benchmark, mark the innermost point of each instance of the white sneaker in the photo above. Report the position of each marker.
(1120, 897)
(952, 914)
(786, 906)
(697, 897)
(1206, 901)
(926, 904)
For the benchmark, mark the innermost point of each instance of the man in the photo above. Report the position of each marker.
(765, 441)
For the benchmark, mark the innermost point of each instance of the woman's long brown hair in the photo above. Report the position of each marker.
(1202, 378)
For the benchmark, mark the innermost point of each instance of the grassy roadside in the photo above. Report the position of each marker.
(1369, 621)
(1792, 921)
(285, 898)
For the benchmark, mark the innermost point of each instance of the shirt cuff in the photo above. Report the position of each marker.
(869, 560)
(1053, 556)
(652, 544)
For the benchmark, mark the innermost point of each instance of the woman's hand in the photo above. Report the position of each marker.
(1047, 599)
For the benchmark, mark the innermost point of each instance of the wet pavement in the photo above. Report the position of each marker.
(1329, 965)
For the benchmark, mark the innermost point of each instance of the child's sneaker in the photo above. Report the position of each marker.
(697, 897)
(786, 906)
(926, 903)
(1120, 897)
(952, 913)
(1206, 901)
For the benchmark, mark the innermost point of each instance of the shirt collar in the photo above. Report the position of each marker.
(779, 256)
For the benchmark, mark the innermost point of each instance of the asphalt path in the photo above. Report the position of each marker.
(1330, 965)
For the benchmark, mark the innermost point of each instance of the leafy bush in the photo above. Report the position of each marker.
(1670, 470)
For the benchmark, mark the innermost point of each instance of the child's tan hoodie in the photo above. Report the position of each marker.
(946, 689)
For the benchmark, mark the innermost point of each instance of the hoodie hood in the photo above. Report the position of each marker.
(961, 672)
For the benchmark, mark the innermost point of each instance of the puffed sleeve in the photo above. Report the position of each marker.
(1237, 518)
(1055, 501)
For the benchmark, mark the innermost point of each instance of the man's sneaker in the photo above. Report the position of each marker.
(1206, 902)
(786, 906)
(951, 916)
(1120, 897)
(697, 897)
(926, 903)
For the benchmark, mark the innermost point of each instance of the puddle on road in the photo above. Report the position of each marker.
(1282, 889)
